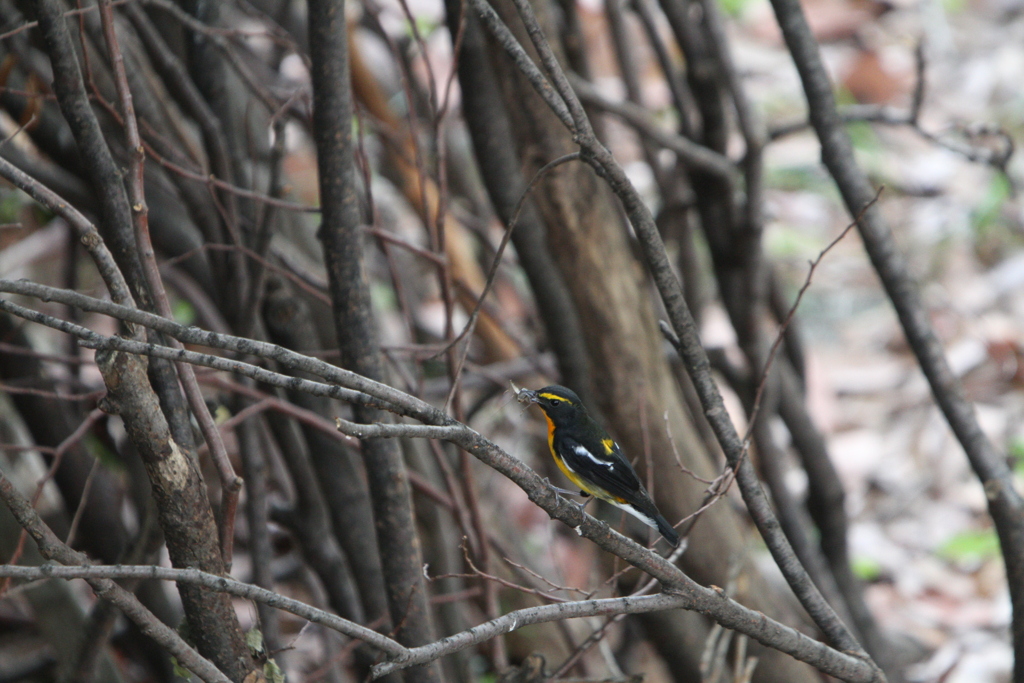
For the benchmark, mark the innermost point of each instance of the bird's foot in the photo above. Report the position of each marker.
(582, 504)
(564, 492)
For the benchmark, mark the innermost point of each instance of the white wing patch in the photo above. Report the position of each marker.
(585, 453)
(649, 521)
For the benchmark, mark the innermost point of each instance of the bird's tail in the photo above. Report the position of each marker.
(666, 530)
(644, 510)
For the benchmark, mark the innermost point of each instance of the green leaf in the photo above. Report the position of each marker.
(866, 568)
(183, 312)
(971, 547)
(179, 670)
(863, 137)
(425, 26)
(988, 211)
(797, 178)
(789, 242)
(382, 297)
(11, 204)
(254, 641)
(99, 450)
(1015, 449)
(734, 8)
(273, 672)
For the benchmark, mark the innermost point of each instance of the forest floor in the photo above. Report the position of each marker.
(920, 534)
(919, 529)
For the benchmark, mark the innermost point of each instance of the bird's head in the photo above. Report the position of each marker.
(556, 401)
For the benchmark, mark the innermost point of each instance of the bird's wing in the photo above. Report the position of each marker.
(601, 464)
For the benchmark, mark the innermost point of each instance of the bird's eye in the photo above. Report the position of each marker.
(555, 402)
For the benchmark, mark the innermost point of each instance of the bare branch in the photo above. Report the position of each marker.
(87, 232)
(192, 335)
(221, 584)
(690, 348)
(692, 154)
(781, 334)
(525, 617)
(230, 481)
(50, 547)
(707, 601)
(1005, 503)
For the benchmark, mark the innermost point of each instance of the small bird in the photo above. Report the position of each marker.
(591, 459)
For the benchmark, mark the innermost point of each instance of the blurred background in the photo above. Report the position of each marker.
(444, 148)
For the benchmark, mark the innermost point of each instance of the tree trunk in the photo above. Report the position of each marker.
(635, 390)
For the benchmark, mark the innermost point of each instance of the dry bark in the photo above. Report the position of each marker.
(341, 235)
(186, 516)
(636, 391)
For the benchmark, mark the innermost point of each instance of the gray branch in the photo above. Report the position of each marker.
(691, 595)
(215, 583)
(525, 617)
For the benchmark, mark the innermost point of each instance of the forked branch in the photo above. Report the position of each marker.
(686, 593)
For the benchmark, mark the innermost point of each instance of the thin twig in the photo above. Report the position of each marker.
(298, 281)
(94, 340)
(723, 610)
(691, 350)
(308, 417)
(70, 13)
(477, 574)
(86, 231)
(63, 447)
(7, 347)
(55, 395)
(540, 577)
(231, 483)
(82, 502)
(780, 335)
(492, 273)
(1005, 503)
(50, 547)
(695, 156)
(222, 184)
(212, 582)
(525, 617)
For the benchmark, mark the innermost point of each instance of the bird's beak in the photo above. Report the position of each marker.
(524, 396)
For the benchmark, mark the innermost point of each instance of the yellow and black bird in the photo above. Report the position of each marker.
(591, 459)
